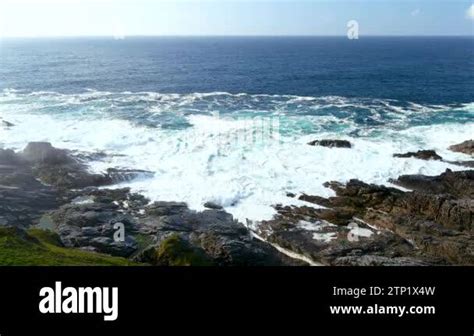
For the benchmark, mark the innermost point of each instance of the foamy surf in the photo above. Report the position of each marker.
(194, 145)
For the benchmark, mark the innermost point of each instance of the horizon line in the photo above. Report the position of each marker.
(217, 35)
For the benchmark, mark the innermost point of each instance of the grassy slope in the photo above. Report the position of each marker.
(37, 247)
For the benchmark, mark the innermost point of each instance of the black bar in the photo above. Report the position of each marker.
(229, 299)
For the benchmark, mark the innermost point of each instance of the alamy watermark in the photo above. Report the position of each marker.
(353, 30)
(119, 234)
(248, 132)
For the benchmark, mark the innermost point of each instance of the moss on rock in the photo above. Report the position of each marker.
(175, 251)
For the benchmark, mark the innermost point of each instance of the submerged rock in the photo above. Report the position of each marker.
(126, 175)
(7, 124)
(432, 155)
(331, 143)
(422, 155)
(469, 164)
(213, 206)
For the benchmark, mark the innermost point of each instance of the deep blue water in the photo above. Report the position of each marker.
(428, 70)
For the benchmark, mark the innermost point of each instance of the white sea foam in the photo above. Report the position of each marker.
(195, 165)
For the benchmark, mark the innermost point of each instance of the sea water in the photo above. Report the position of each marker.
(227, 120)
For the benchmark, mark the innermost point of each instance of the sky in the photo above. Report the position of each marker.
(121, 18)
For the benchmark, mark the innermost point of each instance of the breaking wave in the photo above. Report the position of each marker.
(206, 146)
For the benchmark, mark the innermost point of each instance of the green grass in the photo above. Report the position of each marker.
(36, 247)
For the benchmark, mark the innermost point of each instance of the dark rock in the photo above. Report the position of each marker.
(449, 212)
(432, 155)
(126, 175)
(90, 231)
(315, 199)
(212, 236)
(72, 176)
(85, 157)
(212, 205)
(45, 153)
(54, 167)
(358, 196)
(23, 199)
(59, 169)
(331, 143)
(302, 213)
(86, 217)
(337, 245)
(422, 155)
(177, 251)
(429, 238)
(431, 225)
(166, 208)
(457, 184)
(115, 248)
(364, 224)
(9, 157)
(7, 124)
(467, 147)
(91, 225)
(82, 218)
(117, 198)
(223, 240)
(372, 260)
(469, 164)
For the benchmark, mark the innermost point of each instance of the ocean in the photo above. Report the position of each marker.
(227, 119)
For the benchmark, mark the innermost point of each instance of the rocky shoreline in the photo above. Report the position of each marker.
(51, 189)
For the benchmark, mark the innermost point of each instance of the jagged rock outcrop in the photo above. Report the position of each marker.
(466, 147)
(212, 236)
(458, 184)
(431, 225)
